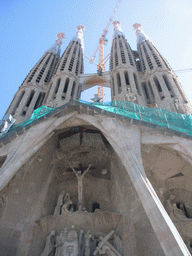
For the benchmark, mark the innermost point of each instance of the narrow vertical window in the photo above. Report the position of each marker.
(30, 98)
(39, 100)
(119, 83)
(127, 78)
(113, 87)
(151, 91)
(65, 89)
(18, 102)
(146, 93)
(73, 90)
(168, 85)
(159, 88)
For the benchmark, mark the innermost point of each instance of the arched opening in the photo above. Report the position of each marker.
(39, 100)
(18, 102)
(166, 80)
(95, 206)
(65, 89)
(73, 90)
(161, 94)
(127, 78)
(119, 83)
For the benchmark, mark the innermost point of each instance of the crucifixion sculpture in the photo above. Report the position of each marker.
(80, 177)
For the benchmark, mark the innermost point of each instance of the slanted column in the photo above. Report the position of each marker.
(126, 141)
(123, 82)
(164, 87)
(68, 94)
(155, 91)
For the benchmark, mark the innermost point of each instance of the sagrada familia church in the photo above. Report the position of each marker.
(81, 178)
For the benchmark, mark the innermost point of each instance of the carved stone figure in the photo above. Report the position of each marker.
(88, 236)
(130, 96)
(50, 244)
(66, 204)
(70, 247)
(175, 213)
(59, 204)
(80, 177)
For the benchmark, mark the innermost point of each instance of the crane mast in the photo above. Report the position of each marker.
(100, 47)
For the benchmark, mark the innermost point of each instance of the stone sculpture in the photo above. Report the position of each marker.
(67, 202)
(80, 177)
(59, 204)
(88, 236)
(63, 204)
(70, 247)
(175, 213)
(50, 244)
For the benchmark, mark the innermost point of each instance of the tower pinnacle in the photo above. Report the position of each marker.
(79, 35)
(141, 36)
(56, 47)
(117, 29)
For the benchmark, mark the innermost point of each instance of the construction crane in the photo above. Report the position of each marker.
(100, 47)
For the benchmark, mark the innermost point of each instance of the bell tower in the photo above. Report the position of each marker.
(65, 83)
(32, 91)
(125, 83)
(160, 84)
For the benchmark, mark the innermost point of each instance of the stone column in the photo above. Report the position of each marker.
(126, 141)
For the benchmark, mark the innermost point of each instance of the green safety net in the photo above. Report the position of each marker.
(178, 122)
(39, 112)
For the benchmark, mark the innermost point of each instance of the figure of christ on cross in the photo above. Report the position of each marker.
(80, 177)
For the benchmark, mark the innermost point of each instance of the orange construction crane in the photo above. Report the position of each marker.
(100, 47)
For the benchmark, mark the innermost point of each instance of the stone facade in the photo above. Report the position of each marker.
(83, 181)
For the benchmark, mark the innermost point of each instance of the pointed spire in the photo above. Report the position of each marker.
(141, 36)
(117, 29)
(79, 35)
(56, 47)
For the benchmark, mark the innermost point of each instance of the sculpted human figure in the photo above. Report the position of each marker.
(67, 203)
(174, 212)
(70, 247)
(80, 177)
(50, 244)
(88, 236)
(59, 204)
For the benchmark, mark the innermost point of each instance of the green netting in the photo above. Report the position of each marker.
(39, 112)
(178, 122)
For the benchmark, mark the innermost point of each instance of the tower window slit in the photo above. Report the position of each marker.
(123, 57)
(142, 59)
(73, 90)
(18, 102)
(65, 88)
(63, 64)
(116, 59)
(30, 98)
(119, 83)
(128, 52)
(77, 68)
(168, 85)
(147, 57)
(146, 92)
(136, 84)
(39, 100)
(127, 78)
(161, 94)
(113, 87)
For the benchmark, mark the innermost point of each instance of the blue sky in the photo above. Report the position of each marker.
(28, 29)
